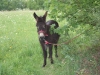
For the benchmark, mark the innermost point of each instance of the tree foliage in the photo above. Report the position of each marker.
(76, 12)
(21, 4)
(12, 4)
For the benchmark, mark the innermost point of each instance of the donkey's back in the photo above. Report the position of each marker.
(52, 36)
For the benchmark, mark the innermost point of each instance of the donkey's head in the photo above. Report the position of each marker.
(41, 24)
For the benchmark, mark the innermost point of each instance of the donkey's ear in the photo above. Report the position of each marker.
(35, 16)
(45, 15)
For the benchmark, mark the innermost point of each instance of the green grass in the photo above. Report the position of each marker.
(21, 54)
(19, 46)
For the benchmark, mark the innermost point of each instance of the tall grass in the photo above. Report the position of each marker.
(21, 54)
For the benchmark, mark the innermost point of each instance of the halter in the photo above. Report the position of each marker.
(41, 31)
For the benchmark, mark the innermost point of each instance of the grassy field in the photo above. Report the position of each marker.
(21, 54)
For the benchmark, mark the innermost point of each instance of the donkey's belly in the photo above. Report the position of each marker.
(53, 38)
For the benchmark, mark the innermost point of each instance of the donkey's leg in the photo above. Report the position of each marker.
(50, 53)
(44, 48)
(55, 46)
(45, 57)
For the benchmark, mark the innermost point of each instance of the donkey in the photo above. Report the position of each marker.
(46, 39)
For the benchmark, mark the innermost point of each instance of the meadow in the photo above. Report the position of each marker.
(21, 54)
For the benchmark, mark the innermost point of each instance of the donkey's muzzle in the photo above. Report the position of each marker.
(41, 35)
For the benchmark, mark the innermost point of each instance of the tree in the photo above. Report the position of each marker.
(76, 12)
(35, 4)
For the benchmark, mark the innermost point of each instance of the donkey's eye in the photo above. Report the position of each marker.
(37, 27)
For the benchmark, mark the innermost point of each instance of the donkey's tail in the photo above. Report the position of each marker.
(51, 22)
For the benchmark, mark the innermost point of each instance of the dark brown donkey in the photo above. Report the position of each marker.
(45, 37)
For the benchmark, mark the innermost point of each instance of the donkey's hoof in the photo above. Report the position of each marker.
(48, 56)
(52, 62)
(44, 65)
(56, 56)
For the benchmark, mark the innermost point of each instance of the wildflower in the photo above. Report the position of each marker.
(10, 47)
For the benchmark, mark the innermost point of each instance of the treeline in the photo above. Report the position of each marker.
(21, 4)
